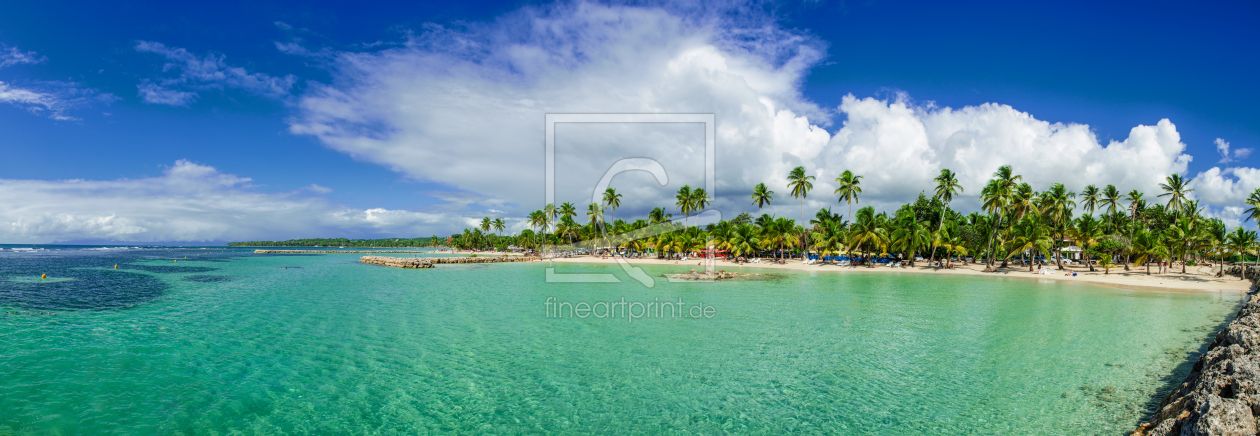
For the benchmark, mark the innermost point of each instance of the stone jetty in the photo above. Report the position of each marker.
(428, 262)
(1221, 396)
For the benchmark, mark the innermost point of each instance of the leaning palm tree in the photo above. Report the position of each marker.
(800, 184)
(762, 196)
(1175, 189)
(486, 224)
(946, 186)
(612, 200)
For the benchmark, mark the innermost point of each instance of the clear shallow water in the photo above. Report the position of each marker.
(231, 341)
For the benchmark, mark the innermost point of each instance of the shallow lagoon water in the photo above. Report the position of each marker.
(232, 341)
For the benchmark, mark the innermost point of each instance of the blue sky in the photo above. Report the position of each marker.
(283, 71)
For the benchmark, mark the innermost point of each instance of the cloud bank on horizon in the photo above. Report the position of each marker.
(464, 107)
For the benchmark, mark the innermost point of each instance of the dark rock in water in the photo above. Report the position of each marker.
(705, 275)
(1221, 396)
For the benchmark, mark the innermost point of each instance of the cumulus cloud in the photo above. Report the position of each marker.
(202, 73)
(191, 202)
(466, 106)
(901, 147)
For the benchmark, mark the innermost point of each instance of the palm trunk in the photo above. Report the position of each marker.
(997, 221)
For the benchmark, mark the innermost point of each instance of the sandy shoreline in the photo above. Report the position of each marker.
(1196, 279)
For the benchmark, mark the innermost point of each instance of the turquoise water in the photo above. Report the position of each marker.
(233, 342)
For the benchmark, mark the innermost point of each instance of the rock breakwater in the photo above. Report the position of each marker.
(1221, 396)
(428, 262)
(335, 251)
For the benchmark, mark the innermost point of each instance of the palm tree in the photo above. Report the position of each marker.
(486, 224)
(1030, 235)
(1111, 199)
(995, 197)
(946, 186)
(499, 225)
(762, 196)
(850, 187)
(1089, 198)
(567, 209)
(1252, 212)
(800, 185)
(911, 235)
(1241, 241)
(742, 240)
(1147, 246)
(1183, 234)
(1086, 233)
(1057, 204)
(613, 200)
(866, 233)
(549, 215)
(1175, 189)
(658, 216)
(1135, 203)
(1105, 262)
(699, 200)
(684, 201)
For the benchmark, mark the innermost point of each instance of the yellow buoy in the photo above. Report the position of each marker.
(115, 266)
(176, 260)
(43, 276)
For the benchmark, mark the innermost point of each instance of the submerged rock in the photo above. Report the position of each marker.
(705, 275)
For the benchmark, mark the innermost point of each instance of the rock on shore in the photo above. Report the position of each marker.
(1221, 396)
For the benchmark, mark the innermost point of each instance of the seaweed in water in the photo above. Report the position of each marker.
(206, 278)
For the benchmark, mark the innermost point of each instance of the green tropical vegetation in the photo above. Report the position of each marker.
(1016, 224)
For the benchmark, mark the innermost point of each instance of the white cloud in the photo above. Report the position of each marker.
(466, 107)
(12, 56)
(202, 73)
(900, 148)
(191, 202)
(52, 99)
(45, 98)
(1222, 148)
(318, 189)
(155, 94)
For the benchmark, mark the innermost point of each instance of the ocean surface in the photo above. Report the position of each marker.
(208, 341)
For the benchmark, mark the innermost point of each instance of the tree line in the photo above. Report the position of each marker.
(1016, 223)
